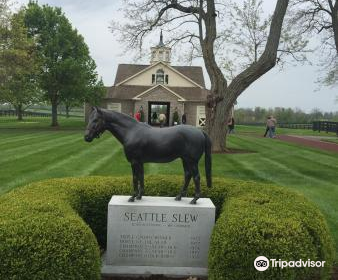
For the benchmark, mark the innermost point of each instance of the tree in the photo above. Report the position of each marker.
(182, 17)
(68, 71)
(4, 12)
(20, 65)
(244, 36)
(320, 18)
(4, 23)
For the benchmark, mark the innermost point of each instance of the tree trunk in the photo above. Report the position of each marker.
(216, 127)
(67, 111)
(335, 24)
(224, 96)
(18, 109)
(54, 101)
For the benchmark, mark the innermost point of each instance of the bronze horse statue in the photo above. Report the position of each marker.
(143, 143)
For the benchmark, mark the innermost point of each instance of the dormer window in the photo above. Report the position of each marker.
(159, 76)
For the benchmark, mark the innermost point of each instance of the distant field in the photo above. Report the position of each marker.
(41, 123)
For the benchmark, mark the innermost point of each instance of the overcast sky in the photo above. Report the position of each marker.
(293, 87)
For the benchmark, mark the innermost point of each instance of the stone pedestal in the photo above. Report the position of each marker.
(158, 235)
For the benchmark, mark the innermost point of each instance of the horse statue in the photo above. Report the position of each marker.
(143, 143)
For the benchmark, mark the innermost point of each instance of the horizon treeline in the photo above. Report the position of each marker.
(283, 115)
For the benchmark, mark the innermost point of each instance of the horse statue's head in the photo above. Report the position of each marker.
(96, 125)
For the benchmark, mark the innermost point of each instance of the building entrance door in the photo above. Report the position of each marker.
(155, 110)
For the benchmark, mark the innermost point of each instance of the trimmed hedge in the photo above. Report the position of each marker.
(54, 229)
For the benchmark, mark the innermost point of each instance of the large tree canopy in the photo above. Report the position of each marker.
(19, 65)
(319, 19)
(198, 22)
(67, 72)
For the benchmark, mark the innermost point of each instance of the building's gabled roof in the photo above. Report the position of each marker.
(124, 71)
(125, 92)
(180, 98)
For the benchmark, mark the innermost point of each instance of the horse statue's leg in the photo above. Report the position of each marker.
(141, 181)
(196, 177)
(187, 178)
(135, 182)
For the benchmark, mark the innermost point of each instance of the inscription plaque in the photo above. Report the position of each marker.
(158, 235)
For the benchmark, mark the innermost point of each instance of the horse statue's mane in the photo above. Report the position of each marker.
(112, 115)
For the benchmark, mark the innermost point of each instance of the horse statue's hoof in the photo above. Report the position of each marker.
(139, 197)
(131, 199)
(193, 201)
(178, 198)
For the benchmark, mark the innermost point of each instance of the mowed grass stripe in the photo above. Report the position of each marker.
(104, 160)
(275, 149)
(42, 146)
(15, 170)
(285, 166)
(259, 166)
(16, 140)
(69, 159)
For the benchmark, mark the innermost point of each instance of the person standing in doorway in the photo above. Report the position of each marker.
(154, 118)
(141, 114)
(162, 118)
(184, 118)
(138, 116)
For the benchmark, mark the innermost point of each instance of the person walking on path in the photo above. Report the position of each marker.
(266, 127)
(231, 126)
(271, 124)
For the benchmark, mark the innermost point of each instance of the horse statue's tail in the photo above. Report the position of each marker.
(207, 157)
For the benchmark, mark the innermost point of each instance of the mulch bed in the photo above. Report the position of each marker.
(326, 146)
(153, 277)
(234, 151)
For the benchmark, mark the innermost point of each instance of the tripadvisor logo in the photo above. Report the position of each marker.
(261, 263)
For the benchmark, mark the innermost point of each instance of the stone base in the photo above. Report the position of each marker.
(158, 236)
(112, 270)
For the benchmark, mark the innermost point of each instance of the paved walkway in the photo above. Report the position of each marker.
(313, 142)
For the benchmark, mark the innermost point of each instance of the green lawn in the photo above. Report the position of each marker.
(38, 152)
(42, 123)
(331, 140)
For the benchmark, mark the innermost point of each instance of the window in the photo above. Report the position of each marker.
(114, 107)
(166, 79)
(160, 55)
(153, 78)
(159, 76)
(167, 56)
(200, 116)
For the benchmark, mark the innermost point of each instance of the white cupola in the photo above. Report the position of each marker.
(160, 52)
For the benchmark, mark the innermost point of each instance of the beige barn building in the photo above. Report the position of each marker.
(158, 88)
